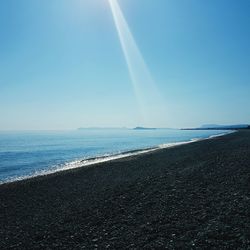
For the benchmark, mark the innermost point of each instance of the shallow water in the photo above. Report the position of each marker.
(26, 154)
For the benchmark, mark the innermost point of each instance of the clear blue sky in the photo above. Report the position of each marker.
(62, 66)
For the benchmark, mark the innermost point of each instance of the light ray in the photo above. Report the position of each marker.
(146, 92)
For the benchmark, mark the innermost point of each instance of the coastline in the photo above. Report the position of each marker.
(191, 196)
(101, 159)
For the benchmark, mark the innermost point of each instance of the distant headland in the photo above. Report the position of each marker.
(220, 127)
(143, 128)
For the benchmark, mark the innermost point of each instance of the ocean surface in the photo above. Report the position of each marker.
(27, 154)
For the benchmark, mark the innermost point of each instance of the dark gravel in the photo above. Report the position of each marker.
(194, 196)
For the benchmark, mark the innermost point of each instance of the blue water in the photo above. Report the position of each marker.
(24, 154)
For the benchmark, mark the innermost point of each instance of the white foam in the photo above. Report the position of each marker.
(222, 134)
(105, 158)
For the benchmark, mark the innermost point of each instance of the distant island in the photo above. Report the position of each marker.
(220, 127)
(143, 128)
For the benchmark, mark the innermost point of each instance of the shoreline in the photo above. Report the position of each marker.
(194, 196)
(85, 163)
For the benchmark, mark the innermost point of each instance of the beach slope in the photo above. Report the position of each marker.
(186, 197)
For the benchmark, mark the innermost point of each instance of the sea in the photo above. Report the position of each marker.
(32, 153)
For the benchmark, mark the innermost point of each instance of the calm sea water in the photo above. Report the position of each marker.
(26, 154)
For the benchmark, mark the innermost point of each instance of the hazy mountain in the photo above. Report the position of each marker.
(142, 128)
(213, 126)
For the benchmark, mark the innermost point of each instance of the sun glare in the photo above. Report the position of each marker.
(148, 96)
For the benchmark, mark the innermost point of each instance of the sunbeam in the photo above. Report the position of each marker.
(149, 99)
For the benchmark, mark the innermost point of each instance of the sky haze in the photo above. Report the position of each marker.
(62, 64)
